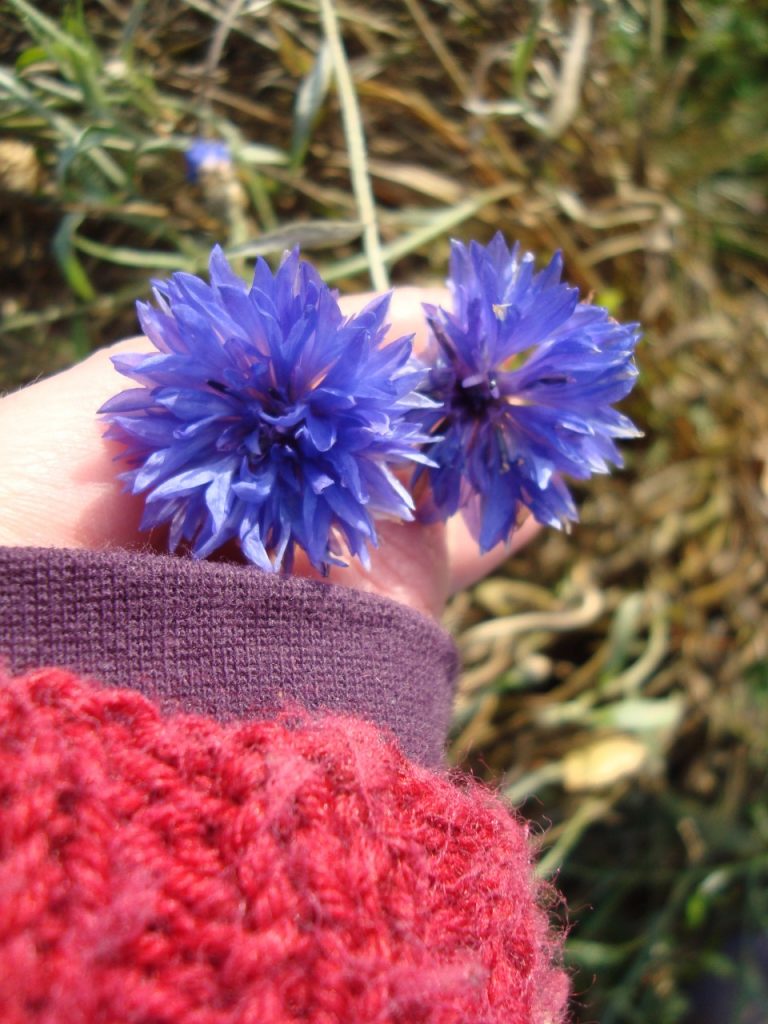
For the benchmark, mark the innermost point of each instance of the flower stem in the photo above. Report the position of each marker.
(358, 163)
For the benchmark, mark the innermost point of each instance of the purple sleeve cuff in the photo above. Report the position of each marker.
(227, 641)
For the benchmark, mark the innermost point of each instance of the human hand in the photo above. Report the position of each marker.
(59, 486)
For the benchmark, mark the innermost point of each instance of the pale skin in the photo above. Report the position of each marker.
(59, 486)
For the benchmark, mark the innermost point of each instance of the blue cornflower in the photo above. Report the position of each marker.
(266, 417)
(206, 155)
(525, 376)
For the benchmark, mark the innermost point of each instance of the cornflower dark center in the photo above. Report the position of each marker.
(258, 439)
(268, 438)
(269, 434)
(473, 400)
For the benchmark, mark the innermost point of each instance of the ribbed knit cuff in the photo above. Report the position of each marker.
(227, 641)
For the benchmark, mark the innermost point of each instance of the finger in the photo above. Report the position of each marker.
(58, 481)
(467, 565)
(406, 313)
(409, 565)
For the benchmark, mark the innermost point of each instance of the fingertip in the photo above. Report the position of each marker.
(406, 313)
(467, 564)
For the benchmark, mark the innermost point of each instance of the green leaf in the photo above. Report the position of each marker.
(313, 234)
(31, 56)
(71, 267)
(624, 629)
(309, 101)
(46, 31)
(144, 259)
(89, 142)
(594, 955)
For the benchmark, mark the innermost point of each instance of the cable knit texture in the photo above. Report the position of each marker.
(228, 640)
(176, 870)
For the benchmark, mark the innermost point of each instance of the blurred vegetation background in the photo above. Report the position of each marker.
(616, 682)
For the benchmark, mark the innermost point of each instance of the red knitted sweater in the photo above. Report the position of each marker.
(178, 871)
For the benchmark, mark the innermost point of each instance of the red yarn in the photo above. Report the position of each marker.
(176, 871)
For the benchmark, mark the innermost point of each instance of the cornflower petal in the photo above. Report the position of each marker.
(522, 385)
(267, 418)
(204, 155)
